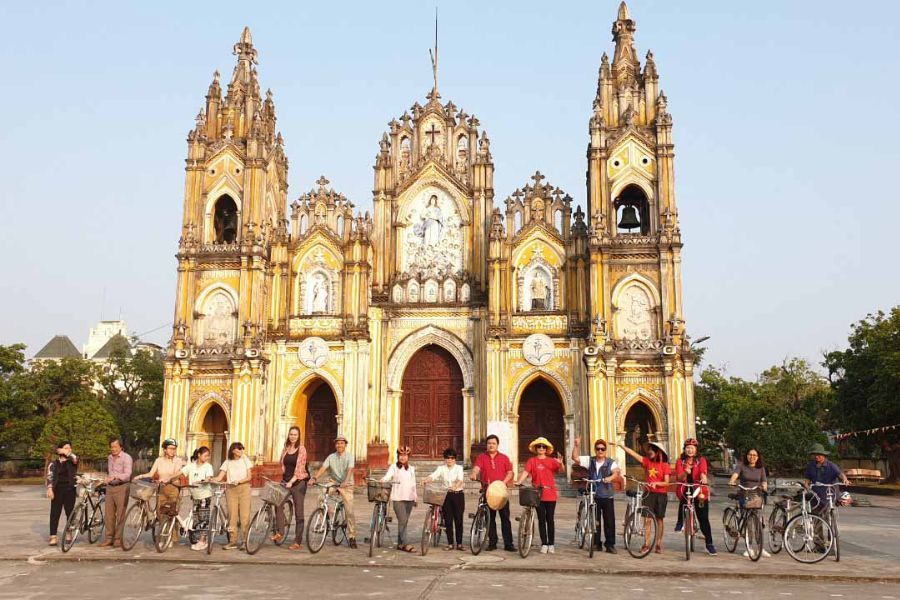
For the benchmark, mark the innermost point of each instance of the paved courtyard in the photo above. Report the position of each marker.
(869, 563)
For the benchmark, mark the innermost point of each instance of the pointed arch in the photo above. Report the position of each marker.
(530, 376)
(653, 403)
(424, 337)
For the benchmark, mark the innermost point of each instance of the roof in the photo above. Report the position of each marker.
(114, 342)
(59, 347)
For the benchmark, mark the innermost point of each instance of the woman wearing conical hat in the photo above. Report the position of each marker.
(542, 469)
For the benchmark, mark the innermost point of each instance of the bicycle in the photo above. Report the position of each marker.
(379, 492)
(434, 496)
(586, 516)
(831, 509)
(745, 521)
(783, 509)
(168, 529)
(478, 533)
(218, 515)
(273, 495)
(689, 516)
(87, 515)
(640, 522)
(141, 515)
(529, 500)
(808, 537)
(329, 517)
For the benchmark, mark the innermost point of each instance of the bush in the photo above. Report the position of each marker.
(86, 424)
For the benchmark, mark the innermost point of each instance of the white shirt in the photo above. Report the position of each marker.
(196, 473)
(452, 477)
(237, 469)
(405, 489)
(585, 461)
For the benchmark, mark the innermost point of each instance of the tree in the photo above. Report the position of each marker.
(781, 414)
(86, 424)
(20, 421)
(133, 391)
(866, 376)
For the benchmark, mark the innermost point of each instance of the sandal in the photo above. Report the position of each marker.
(295, 546)
(408, 548)
(450, 547)
(659, 549)
(459, 547)
(645, 548)
(277, 537)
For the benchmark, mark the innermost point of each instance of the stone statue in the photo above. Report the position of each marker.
(538, 293)
(432, 224)
(319, 294)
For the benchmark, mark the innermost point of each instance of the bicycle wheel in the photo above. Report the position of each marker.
(753, 535)
(640, 533)
(164, 532)
(526, 532)
(339, 532)
(375, 527)
(808, 538)
(837, 537)
(478, 533)
(211, 529)
(590, 530)
(428, 530)
(74, 526)
(260, 526)
(95, 527)
(777, 521)
(688, 521)
(288, 508)
(731, 528)
(317, 530)
(579, 524)
(133, 526)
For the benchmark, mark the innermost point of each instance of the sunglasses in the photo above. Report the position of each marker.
(600, 448)
(539, 446)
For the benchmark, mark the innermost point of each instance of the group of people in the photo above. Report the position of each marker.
(489, 467)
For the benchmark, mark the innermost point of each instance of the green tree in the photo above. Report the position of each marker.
(20, 420)
(866, 376)
(54, 384)
(86, 424)
(133, 391)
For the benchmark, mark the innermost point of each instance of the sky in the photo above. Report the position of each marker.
(784, 127)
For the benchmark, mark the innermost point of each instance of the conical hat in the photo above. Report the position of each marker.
(497, 495)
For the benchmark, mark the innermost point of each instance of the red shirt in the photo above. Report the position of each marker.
(656, 472)
(493, 469)
(699, 468)
(542, 474)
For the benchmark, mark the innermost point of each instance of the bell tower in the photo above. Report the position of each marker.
(639, 357)
(233, 220)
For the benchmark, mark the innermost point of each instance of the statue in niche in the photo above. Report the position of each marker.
(538, 293)
(319, 294)
(637, 319)
(220, 321)
(405, 156)
(431, 226)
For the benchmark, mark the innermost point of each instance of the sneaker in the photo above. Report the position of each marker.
(612, 550)
(230, 546)
(543, 549)
(53, 541)
(679, 527)
(711, 550)
(199, 546)
(509, 548)
(491, 547)
(352, 543)
(766, 554)
(551, 549)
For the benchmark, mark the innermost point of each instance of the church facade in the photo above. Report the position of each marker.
(444, 314)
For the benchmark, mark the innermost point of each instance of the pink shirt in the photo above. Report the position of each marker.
(405, 488)
(119, 467)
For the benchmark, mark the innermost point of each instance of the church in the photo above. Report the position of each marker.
(445, 314)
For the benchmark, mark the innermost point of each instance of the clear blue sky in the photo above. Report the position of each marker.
(785, 130)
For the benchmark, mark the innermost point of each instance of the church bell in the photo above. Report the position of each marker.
(629, 218)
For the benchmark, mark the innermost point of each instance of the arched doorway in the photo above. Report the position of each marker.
(315, 410)
(541, 415)
(640, 427)
(431, 410)
(214, 431)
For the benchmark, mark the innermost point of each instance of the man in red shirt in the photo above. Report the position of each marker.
(495, 466)
(656, 473)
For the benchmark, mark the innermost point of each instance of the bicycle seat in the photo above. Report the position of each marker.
(631, 493)
(734, 496)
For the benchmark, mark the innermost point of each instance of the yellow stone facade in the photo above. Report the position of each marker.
(319, 317)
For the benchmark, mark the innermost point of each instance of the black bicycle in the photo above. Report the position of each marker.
(479, 532)
(745, 520)
(87, 515)
(262, 525)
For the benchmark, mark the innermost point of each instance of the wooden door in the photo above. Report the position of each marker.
(540, 414)
(431, 417)
(321, 423)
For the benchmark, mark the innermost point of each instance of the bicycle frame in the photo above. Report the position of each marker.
(743, 516)
(82, 517)
(635, 513)
(585, 525)
(689, 518)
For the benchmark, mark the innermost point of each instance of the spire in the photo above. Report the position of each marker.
(243, 71)
(215, 91)
(434, 95)
(625, 62)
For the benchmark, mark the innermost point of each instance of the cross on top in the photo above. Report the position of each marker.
(322, 182)
(433, 132)
(537, 178)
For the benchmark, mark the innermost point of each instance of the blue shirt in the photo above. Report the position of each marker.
(827, 473)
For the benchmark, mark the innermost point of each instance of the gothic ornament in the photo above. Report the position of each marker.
(313, 352)
(537, 349)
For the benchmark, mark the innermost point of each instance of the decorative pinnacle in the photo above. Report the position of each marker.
(537, 177)
(246, 38)
(623, 12)
(322, 182)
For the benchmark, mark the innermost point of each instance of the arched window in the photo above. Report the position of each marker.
(225, 221)
(632, 211)
(558, 220)
(340, 225)
(462, 149)
(517, 222)
(304, 223)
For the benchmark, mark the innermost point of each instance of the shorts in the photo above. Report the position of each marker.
(657, 504)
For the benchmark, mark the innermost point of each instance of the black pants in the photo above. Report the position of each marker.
(702, 510)
(605, 517)
(505, 526)
(63, 498)
(453, 509)
(546, 525)
(298, 495)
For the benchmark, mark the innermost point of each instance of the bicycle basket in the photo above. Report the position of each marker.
(141, 489)
(379, 491)
(274, 493)
(435, 493)
(753, 500)
(579, 474)
(529, 496)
